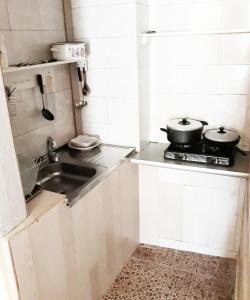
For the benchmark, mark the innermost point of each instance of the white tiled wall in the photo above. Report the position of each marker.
(110, 28)
(29, 28)
(201, 76)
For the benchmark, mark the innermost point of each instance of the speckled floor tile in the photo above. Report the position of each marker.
(155, 273)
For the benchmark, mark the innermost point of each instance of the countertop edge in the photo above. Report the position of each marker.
(189, 168)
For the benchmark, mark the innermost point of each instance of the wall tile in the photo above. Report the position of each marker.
(96, 110)
(143, 54)
(204, 15)
(123, 83)
(114, 83)
(96, 128)
(122, 112)
(32, 48)
(34, 143)
(87, 3)
(185, 50)
(186, 16)
(197, 79)
(28, 108)
(182, 79)
(234, 49)
(98, 82)
(4, 18)
(109, 53)
(233, 80)
(91, 22)
(24, 15)
(64, 128)
(123, 135)
(62, 78)
(52, 15)
(144, 114)
(235, 15)
(168, 18)
(9, 46)
(142, 18)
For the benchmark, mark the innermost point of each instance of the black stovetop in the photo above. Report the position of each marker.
(201, 153)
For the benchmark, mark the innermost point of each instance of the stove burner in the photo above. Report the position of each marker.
(201, 153)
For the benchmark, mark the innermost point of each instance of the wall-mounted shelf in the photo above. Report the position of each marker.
(45, 65)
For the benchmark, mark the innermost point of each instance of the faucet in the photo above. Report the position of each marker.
(51, 146)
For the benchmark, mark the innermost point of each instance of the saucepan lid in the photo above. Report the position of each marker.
(222, 135)
(184, 124)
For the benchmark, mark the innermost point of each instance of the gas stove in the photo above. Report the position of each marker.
(201, 153)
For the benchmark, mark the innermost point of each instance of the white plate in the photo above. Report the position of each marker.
(83, 141)
(86, 148)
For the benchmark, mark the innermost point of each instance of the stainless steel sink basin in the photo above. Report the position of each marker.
(65, 178)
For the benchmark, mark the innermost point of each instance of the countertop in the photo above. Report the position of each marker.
(153, 155)
(105, 157)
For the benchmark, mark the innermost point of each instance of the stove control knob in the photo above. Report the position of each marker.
(180, 156)
(211, 160)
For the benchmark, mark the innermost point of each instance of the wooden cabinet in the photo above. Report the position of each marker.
(12, 203)
(76, 253)
(191, 211)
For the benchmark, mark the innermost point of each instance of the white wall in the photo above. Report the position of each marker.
(201, 76)
(110, 29)
(143, 71)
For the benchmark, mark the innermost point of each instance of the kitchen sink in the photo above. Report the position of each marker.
(65, 178)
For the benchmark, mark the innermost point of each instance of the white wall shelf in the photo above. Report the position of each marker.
(44, 65)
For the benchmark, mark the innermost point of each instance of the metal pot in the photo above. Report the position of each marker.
(184, 131)
(223, 138)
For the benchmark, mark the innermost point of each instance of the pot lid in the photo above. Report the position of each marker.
(184, 124)
(221, 135)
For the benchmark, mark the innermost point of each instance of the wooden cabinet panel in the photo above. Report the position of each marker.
(12, 203)
(76, 253)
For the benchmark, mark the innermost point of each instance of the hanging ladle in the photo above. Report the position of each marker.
(45, 112)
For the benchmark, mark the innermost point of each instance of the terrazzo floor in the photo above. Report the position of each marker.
(155, 273)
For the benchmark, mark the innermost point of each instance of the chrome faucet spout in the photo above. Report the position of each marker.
(51, 146)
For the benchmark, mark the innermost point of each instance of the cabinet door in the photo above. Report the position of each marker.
(38, 258)
(191, 211)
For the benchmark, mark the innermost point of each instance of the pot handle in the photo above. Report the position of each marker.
(164, 129)
(204, 123)
(237, 149)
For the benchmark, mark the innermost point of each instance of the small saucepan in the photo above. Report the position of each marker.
(223, 138)
(184, 131)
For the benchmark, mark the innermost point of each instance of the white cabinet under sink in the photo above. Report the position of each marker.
(190, 210)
